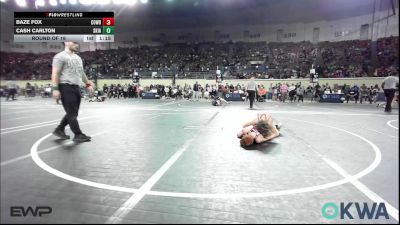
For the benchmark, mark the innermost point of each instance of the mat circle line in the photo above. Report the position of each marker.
(369, 169)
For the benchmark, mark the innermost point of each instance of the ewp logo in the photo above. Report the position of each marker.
(330, 210)
(18, 211)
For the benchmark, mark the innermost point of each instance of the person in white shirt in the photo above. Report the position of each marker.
(12, 89)
(251, 90)
(389, 86)
(67, 76)
(166, 92)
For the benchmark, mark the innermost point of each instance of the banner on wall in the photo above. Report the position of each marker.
(256, 62)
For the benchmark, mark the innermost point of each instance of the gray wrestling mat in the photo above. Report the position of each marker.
(157, 161)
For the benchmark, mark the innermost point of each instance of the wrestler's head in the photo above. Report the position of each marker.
(247, 140)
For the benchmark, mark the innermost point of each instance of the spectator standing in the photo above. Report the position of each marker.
(389, 86)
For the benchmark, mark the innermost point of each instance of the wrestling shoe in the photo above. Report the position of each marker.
(81, 138)
(61, 134)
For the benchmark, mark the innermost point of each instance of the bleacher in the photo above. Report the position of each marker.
(237, 60)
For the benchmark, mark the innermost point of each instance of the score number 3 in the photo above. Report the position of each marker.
(108, 21)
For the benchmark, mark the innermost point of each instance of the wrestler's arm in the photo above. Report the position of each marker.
(55, 76)
(245, 130)
(251, 123)
(263, 116)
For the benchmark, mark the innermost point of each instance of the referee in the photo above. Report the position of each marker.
(389, 86)
(67, 76)
(251, 88)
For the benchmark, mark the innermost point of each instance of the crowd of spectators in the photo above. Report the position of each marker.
(236, 60)
(282, 91)
(29, 90)
(292, 60)
(346, 58)
(388, 56)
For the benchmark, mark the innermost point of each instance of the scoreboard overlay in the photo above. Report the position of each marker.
(64, 26)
